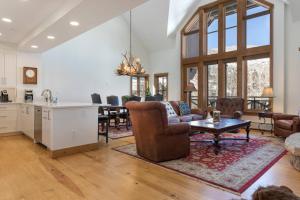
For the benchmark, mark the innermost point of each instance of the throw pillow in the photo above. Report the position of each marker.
(184, 108)
(170, 111)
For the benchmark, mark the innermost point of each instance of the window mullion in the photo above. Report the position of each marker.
(241, 12)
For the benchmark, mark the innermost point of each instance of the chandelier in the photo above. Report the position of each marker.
(130, 66)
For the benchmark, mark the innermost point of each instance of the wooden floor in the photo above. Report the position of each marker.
(27, 173)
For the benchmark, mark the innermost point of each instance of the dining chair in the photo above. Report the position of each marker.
(135, 98)
(150, 98)
(102, 118)
(159, 97)
(113, 113)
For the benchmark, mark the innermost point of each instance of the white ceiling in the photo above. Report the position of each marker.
(34, 20)
(150, 22)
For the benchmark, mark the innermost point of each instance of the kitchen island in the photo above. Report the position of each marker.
(64, 128)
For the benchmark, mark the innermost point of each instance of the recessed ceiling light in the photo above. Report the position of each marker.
(50, 37)
(0, 34)
(7, 20)
(34, 46)
(74, 23)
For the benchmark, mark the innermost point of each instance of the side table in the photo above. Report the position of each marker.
(264, 116)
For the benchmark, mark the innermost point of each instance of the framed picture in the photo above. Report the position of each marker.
(30, 75)
(216, 116)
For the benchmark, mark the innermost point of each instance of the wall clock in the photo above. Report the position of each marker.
(29, 75)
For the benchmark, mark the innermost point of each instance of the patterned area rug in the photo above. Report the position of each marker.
(114, 133)
(238, 165)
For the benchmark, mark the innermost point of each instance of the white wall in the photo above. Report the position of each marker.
(292, 63)
(168, 61)
(87, 63)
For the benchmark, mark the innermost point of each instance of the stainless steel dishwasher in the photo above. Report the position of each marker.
(37, 124)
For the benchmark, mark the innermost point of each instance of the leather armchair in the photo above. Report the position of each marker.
(156, 140)
(285, 124)
(230, 107)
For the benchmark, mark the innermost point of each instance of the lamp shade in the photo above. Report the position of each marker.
(190, 88)
(268, 92)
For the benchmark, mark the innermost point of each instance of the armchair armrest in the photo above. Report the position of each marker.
(199, 112)
(296, 124)
(177, 129)
(283, 117)
(237, 114)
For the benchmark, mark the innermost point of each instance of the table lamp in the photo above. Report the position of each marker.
(189, 89)
(267, 93)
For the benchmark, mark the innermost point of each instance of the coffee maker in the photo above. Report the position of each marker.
(4, 96)
(28, 96)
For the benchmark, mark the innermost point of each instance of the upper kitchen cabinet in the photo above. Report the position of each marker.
(8, 68)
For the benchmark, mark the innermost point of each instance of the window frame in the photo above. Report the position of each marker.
(239, 55)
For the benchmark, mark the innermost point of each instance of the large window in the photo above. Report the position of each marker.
(257, 25)
(139, 85)
(231, 27)
(212, 31)
(191, 38)
(212, 75)
(258, 77)
(231, 79)
(192, 77)
(227, 51)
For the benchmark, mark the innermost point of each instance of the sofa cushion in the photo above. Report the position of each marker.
(285, 124)
(173, 120)
(170, 110)
(175, 105)
(196, 117)
(186, 118)
(184, 108)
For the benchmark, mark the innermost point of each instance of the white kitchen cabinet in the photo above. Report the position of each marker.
(27, 120)
(46, 126)
(8, 68)
(8, 118)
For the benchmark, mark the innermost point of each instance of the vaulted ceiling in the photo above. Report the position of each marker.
(34, 20)
(154, 21)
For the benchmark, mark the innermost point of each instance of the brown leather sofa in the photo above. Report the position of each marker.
(156, 140)
(196, 114)
(230, 107)
(285, 125)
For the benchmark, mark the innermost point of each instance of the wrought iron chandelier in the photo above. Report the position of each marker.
(130, 66)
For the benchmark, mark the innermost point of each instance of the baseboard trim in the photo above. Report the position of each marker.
(10, 134)
(74, 150)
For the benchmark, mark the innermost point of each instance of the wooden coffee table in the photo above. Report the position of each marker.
(217, 128)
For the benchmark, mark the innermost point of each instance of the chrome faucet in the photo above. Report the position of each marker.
(47, 94)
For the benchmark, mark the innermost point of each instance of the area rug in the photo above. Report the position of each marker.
(238, 165)
(114, 133)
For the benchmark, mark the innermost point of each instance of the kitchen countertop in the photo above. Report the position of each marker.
(55, 105)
